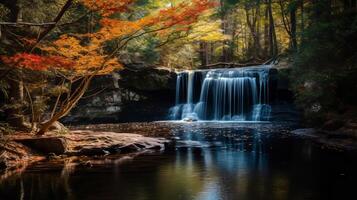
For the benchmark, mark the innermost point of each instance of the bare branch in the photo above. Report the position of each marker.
(59, 16)
(27, 23)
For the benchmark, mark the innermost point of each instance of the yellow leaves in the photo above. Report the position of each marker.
(207, 31)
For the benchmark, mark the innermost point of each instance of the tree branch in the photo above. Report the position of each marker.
(27, 23)
(59, 16)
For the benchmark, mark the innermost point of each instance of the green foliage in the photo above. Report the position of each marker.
(143, 50)
(325, 67)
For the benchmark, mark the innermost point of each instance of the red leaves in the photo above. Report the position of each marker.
(36, 62)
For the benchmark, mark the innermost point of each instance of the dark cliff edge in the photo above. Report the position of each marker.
(143, 94)
(282, 97)
(136, 94)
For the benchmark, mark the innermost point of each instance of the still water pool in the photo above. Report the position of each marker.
(207, 162)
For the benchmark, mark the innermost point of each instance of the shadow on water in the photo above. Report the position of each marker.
(208, 162)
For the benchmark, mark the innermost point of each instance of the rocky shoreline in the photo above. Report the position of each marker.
(22, 149)
(329, 139)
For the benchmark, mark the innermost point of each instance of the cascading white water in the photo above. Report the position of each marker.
(240, 94)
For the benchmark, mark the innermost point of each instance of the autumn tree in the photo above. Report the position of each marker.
(76, 58)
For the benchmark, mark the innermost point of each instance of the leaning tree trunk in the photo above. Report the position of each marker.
(68, 106)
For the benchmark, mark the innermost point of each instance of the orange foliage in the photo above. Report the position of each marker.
(87, 58)
(108, 7)
(170, 19)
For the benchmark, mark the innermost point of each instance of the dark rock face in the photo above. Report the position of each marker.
(142, 94)
(282, 98)
(46, 145)
(333, 125)
(148, 79)
(138, 93)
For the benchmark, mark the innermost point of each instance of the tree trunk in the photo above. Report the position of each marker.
(272, 35)
(349, 5)
(254, 27)
(70, 103)
(293, 26)
(302, 26)
(203, 53)
(266, 33)
(14, 114)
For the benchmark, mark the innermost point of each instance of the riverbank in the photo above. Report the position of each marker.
(22, 149)
(341, 141)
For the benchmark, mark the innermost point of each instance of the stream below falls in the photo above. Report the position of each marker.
(208, 161)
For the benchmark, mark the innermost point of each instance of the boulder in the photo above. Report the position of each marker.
(57, 127)
(46, 145)
(189, 119)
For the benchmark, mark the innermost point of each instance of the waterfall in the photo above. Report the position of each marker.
(240, 94)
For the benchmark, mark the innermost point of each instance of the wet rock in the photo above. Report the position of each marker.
(53, 156)
(86, 164)
(93, 151)
(188, 119)
(311, 132)
(333, 125)
(130, 148)
(46, 145)
(114, 149)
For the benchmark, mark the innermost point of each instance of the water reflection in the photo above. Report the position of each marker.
(205, 164)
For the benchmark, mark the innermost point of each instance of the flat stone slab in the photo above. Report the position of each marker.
(91, 143)
(86, 142)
